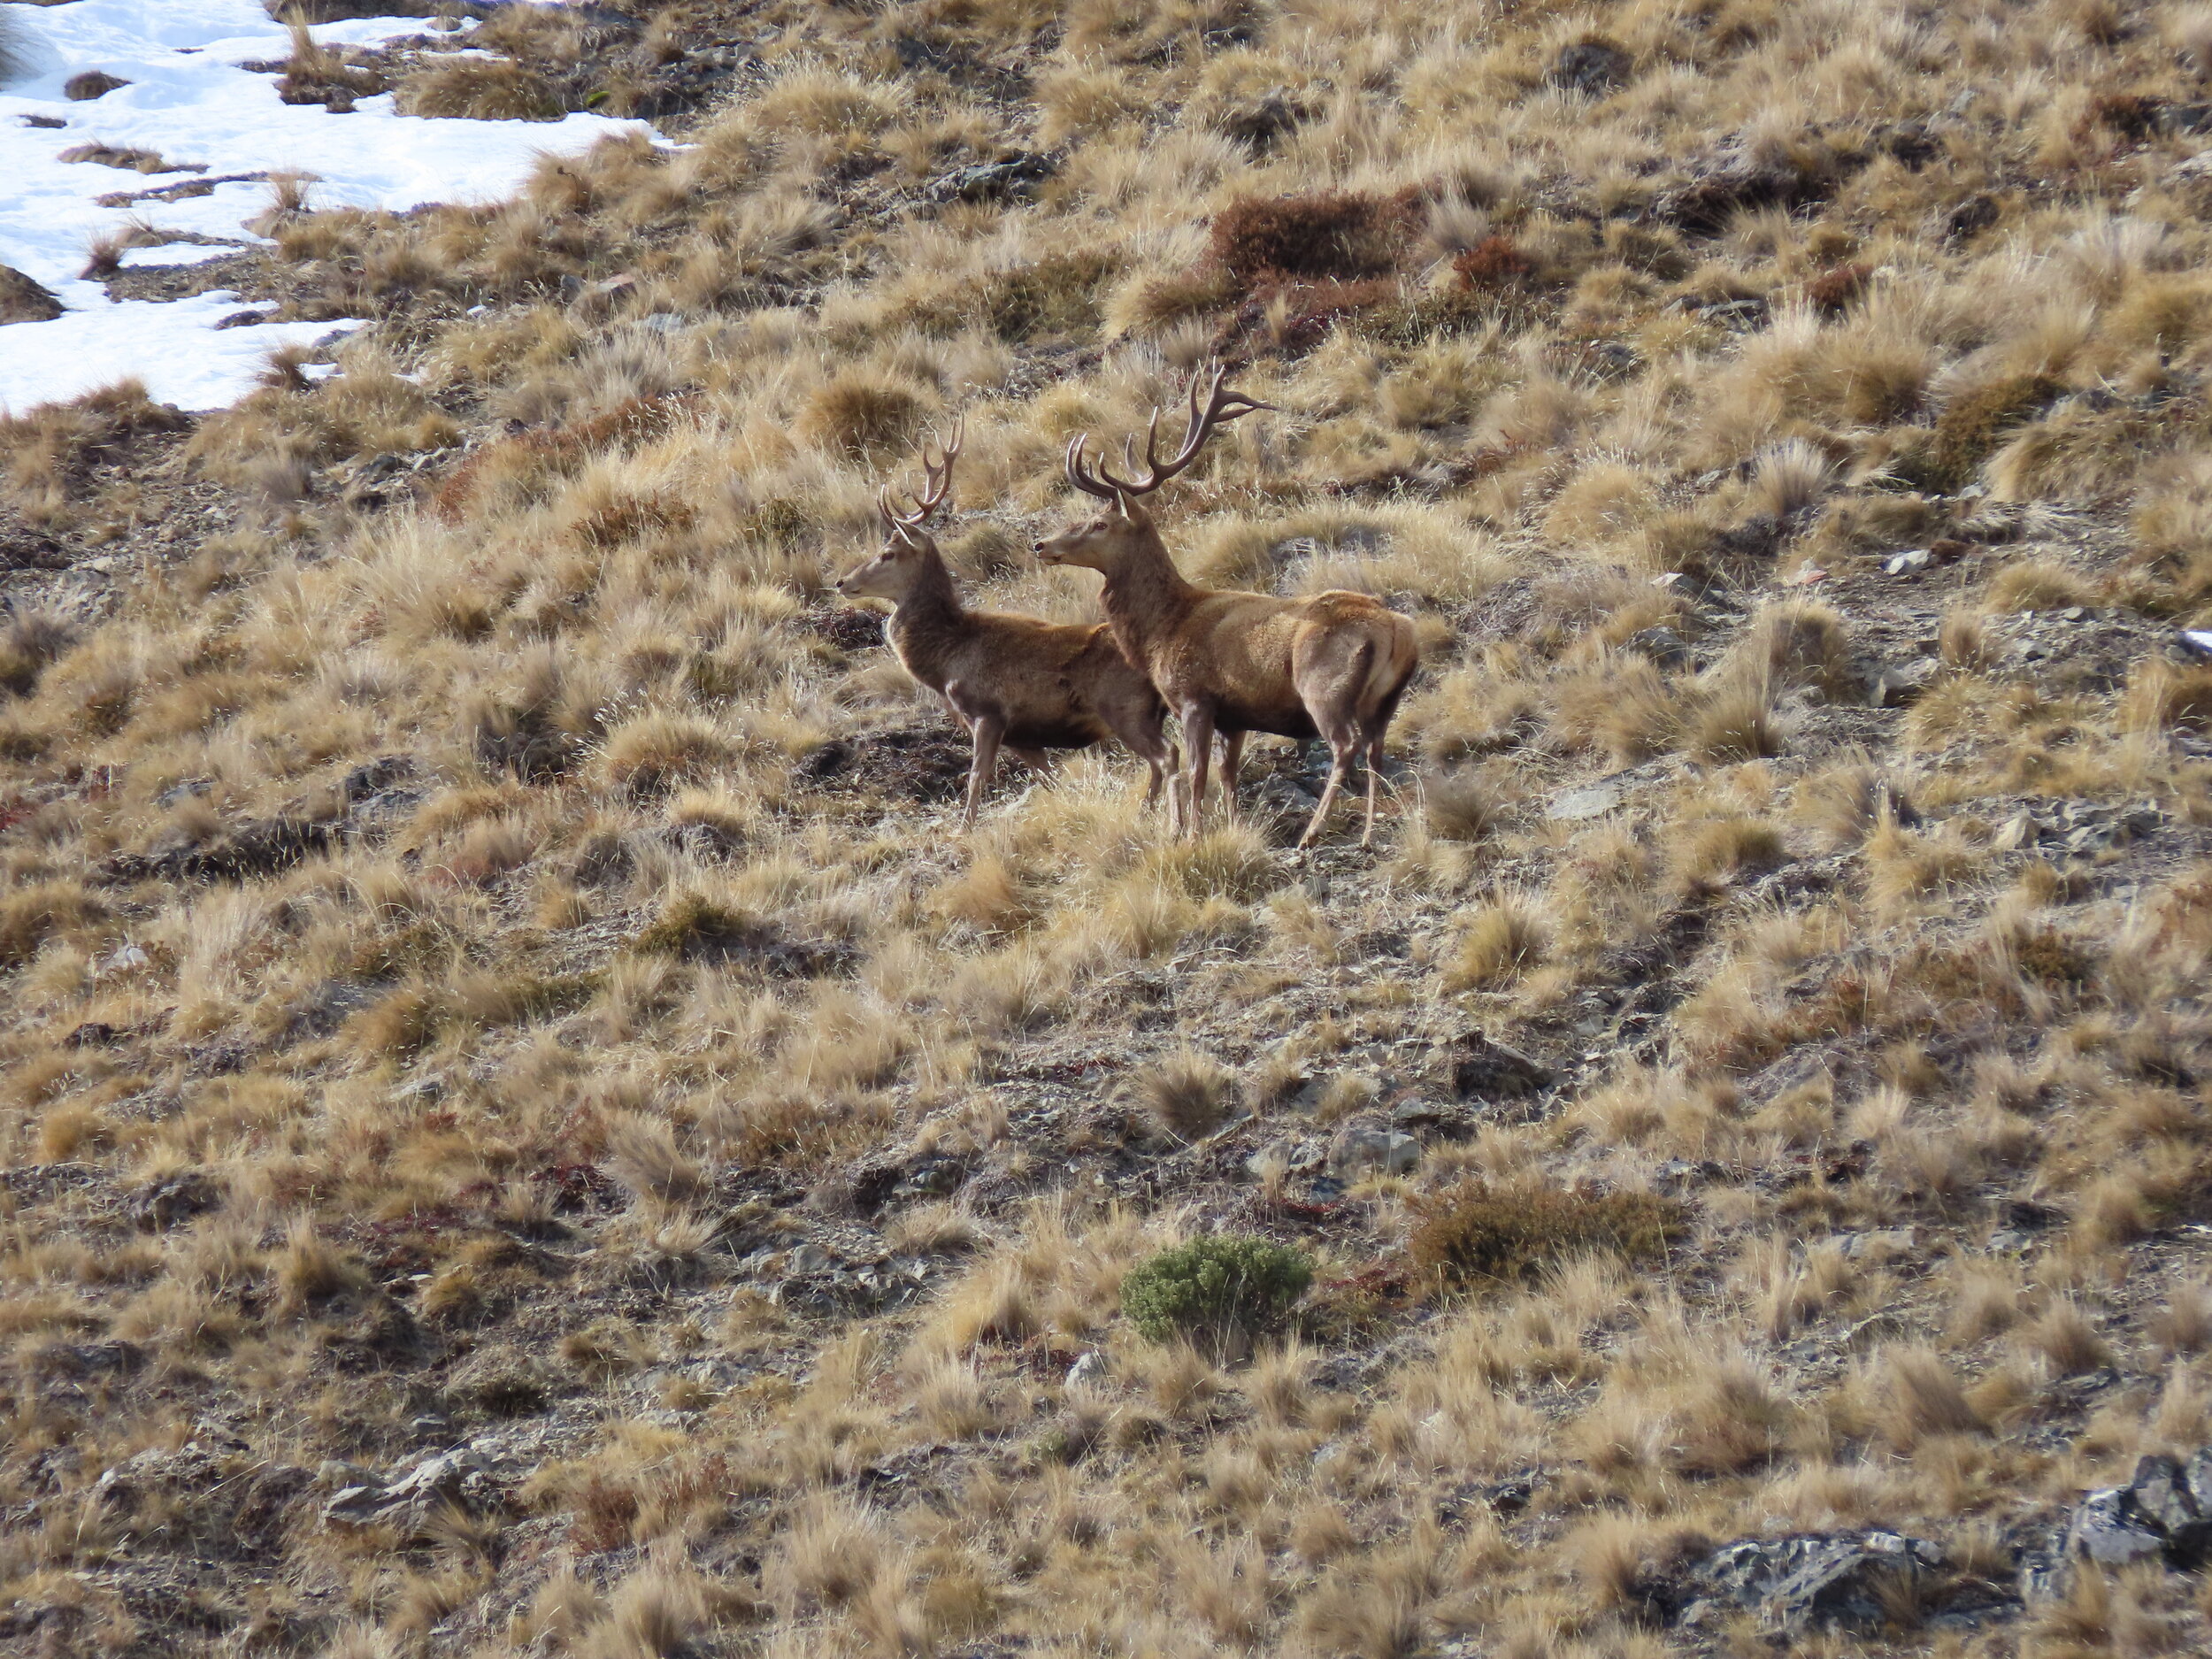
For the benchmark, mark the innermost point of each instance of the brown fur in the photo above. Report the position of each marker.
(1015, 681)
(1332, 665)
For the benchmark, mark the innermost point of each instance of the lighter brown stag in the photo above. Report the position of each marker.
(1331, 664)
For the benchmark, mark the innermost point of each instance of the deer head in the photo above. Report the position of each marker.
(1104, 543)
(909, 549)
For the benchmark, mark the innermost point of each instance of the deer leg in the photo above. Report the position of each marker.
(1232, 765)
(989, 731)
(988, 728)
(1172, 769)
(1343, 746)
(1198, 735)
(1374, 778)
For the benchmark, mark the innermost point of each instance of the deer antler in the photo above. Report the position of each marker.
(936, 484)
(1221, 404)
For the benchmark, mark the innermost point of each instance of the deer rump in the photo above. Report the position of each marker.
(1264, 657)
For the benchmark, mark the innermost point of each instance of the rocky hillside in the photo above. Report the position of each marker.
(528, 1129)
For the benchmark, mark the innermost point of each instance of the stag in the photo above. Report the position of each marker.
(1330, 665)
(1013, 681)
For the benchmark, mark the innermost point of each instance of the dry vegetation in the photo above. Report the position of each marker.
(487, 967)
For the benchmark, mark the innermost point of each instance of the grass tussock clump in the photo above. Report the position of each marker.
(1975, 423)
(1341, 236)
(488, 964)
(1220, 1289)
(479, 90)
(1187, 1096)
(1479, 1233)
(863, 417)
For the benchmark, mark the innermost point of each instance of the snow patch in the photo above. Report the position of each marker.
(173, 346)
(190, 101)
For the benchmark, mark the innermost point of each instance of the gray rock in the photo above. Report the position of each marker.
(1816, 1581)
(2161, 1512)
(1902, 683)
(1363, 1148)
(2160, 1495)
(354, 1506)
(2105, 1531)
(1483, 1069)
(1012, 176)
(24, 301)
(1882, 1244)
(1591, 801)
(1662, 645)
(1286, 797)
(1911, 563)
(90, 84)
(1089, 1369)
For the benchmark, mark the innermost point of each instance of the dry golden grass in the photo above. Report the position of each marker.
(487, 961)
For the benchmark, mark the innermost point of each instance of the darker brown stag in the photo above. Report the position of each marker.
(1015, 681)
(1331, 664)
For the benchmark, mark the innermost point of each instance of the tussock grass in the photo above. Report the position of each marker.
(486, 963)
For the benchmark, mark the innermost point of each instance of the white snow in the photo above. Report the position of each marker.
(172, 253)
(173, 346)
(190, 101)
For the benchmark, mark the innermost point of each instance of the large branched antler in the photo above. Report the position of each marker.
(1221, 404)
(936, 485)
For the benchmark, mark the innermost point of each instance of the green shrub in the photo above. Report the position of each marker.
(1476, 1232)
(1225, 1288)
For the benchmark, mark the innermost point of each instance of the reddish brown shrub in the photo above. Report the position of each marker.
(1495, 262)
(1342, 236)
(1832, 292)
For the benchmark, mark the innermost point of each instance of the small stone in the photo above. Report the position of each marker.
(1089, 1369)
(1897, 687)
(1805, 577)
(1882, 1244)
(92, 83)
(1591, 801)
(1662, 645)
(2020, 830)
(2009, 1241)
(1911, 563)
(354, 1505)
(24, 301)
(1592, 65)
(1364, 1149)
(2197, 640)
(811, 1258)
(1482, 1069)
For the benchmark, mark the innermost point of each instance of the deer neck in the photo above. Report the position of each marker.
(1145, 596)
(927, 621)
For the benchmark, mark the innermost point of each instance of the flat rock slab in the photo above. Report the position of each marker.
(1591, 801)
